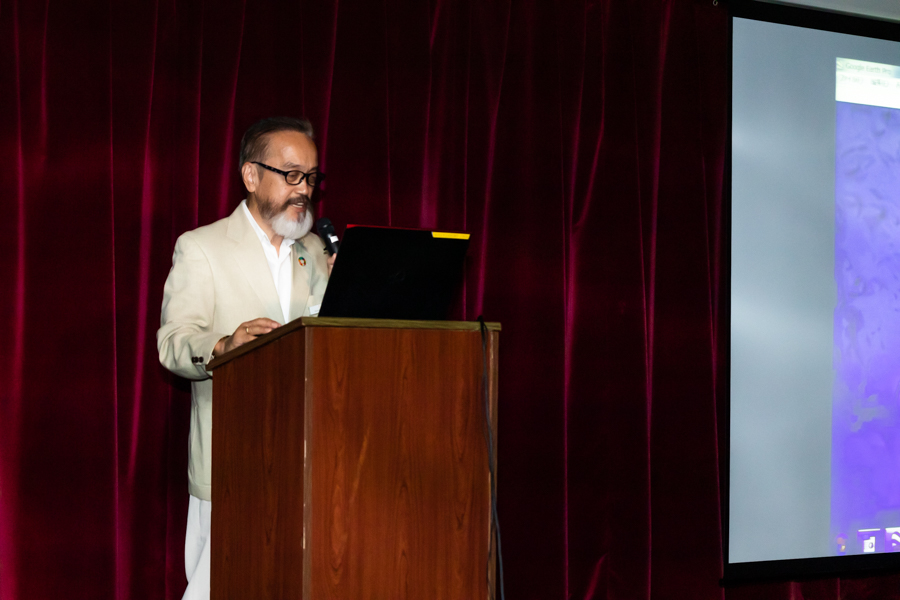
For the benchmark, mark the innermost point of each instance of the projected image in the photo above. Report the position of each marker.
(865, 452)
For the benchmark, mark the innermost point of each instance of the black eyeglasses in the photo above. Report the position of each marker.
(296, 177)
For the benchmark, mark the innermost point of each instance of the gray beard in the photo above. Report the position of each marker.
(290, 229)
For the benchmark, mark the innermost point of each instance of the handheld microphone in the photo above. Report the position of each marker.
(326, 231)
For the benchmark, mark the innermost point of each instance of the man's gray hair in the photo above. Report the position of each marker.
(255, 142)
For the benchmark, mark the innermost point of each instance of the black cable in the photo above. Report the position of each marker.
(489, 440)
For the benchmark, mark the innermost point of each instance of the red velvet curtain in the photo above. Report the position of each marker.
(581, 142)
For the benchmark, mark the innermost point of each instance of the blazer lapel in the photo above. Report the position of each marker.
(302, 268)
(251, 259)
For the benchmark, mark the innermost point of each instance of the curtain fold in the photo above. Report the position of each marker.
(581, 142)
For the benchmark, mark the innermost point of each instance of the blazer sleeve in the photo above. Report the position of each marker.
(185, 339)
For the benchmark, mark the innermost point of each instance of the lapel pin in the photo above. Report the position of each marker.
(302, 261)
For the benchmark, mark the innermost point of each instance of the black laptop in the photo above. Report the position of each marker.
(394, 273)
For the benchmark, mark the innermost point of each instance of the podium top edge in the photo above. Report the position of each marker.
(396, 324)
(304, 322)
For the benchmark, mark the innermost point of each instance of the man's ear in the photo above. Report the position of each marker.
(249, 175)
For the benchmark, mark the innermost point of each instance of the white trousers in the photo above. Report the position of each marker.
(196, 550)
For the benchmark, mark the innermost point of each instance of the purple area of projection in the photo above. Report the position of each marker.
(865, 452)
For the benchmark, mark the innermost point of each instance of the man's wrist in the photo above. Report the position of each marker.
(219, 349)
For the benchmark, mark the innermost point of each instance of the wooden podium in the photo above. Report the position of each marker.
(350, 462)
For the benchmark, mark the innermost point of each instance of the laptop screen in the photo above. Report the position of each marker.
(394, 273)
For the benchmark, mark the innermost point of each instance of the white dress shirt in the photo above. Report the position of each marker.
(279, 263)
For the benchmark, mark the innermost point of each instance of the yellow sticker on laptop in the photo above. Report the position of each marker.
(451, 236)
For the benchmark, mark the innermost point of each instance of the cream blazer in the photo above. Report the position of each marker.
(220, 279)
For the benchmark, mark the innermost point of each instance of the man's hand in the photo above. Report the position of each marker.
(331, 260)
(246, 332)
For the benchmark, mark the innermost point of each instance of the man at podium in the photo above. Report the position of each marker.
(234, 280)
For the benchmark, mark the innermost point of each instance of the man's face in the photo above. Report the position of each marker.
(283, 205)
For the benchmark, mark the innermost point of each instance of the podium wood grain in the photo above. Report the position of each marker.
(391, 497)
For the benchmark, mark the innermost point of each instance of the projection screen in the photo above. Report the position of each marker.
(814, 464)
